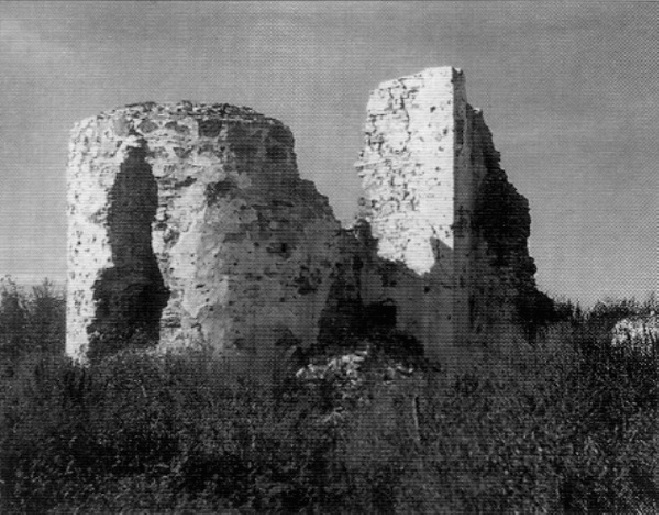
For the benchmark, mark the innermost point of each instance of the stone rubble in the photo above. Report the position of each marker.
(346, 365)
(347, 376)
(638, 334)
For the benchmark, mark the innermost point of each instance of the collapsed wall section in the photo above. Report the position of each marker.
(190, 222)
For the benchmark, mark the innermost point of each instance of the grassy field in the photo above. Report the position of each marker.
(567, 424)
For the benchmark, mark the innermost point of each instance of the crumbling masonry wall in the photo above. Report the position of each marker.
(190, 223)
(443, 214)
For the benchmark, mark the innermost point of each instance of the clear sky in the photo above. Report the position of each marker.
(570, 91)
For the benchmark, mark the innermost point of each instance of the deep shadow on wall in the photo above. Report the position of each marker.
(131, 294)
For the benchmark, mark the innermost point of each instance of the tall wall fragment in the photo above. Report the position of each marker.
(442, 212)
(190, 223)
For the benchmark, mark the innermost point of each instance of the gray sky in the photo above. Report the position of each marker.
(570, 91)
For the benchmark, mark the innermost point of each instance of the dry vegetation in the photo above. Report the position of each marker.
(567, 424)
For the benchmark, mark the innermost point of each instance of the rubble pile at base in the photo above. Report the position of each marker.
(638, 334)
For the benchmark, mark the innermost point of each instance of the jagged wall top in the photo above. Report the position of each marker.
(189, 108)
(407, 164)
(181, 127)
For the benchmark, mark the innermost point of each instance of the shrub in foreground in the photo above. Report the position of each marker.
(566, 425)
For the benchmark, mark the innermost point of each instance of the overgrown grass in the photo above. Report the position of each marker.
(566, 425)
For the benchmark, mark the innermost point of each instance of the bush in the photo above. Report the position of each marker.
(180, 424)
(29, 323)
(567, 424)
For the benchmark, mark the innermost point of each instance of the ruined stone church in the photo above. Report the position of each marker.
(189, 223)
